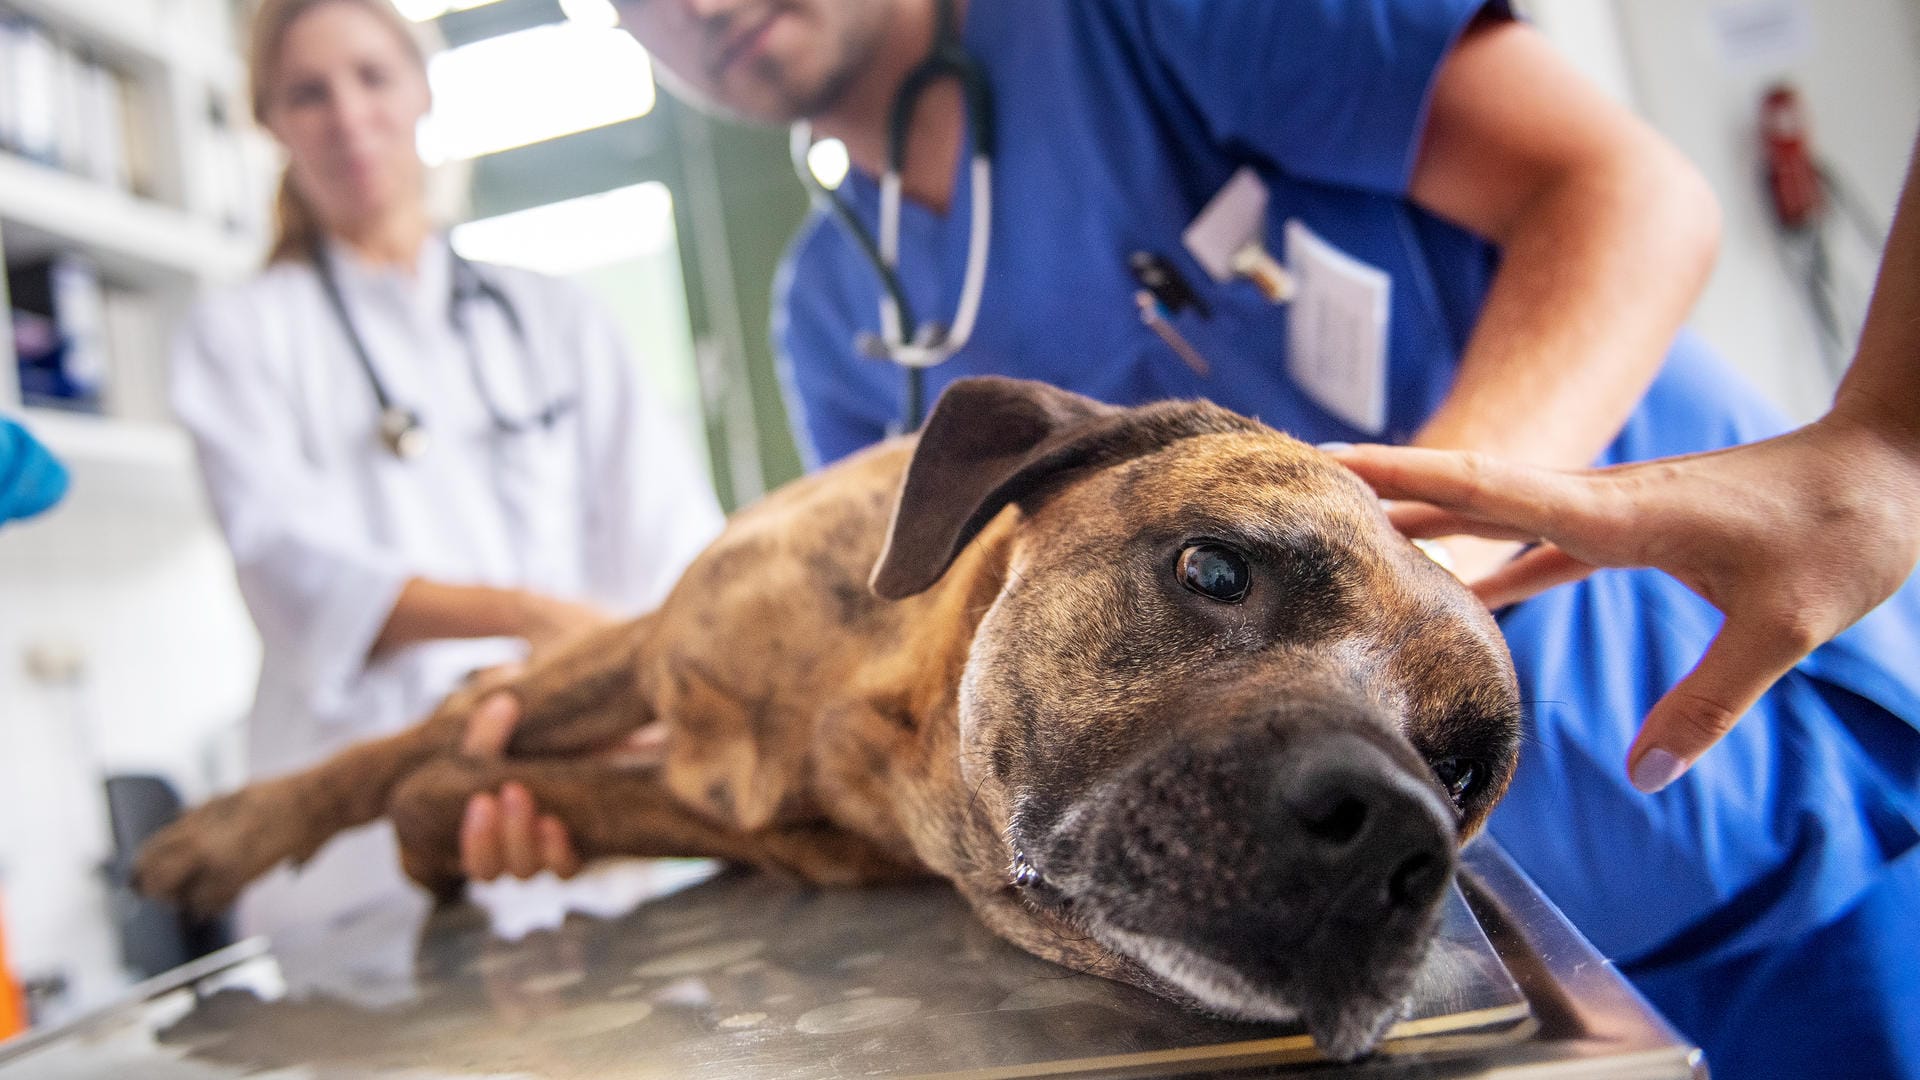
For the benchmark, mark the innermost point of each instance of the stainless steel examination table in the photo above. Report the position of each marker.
(737, 975)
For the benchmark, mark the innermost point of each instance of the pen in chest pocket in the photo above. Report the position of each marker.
(1154, 314)
(1163, 292)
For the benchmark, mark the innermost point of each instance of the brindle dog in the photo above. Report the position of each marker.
(1159, 690)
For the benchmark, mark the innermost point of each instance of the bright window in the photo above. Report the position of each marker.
(422, 10)
(530, 86)
(579, 234)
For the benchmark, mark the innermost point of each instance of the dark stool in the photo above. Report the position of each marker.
(154, 937)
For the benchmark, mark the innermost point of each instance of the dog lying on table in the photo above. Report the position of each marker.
(1159, 690)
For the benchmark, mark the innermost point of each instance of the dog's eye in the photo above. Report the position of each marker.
(1460, 776)
(1216, 571)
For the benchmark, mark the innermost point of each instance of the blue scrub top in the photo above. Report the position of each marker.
(1118, 120)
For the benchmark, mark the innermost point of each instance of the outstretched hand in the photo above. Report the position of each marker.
(1793, 539)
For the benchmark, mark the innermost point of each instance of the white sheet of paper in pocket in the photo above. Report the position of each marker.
(1337, 330)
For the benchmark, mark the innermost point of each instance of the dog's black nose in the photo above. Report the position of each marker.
(1307, 855)
(1365, 835)
(1294, 860)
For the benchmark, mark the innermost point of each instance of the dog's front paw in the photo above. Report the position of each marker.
(426, 810)
(202, 861)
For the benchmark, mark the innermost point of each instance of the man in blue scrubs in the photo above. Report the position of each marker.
(1488, 256)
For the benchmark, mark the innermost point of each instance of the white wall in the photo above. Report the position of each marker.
(1857, 65)
(129, 577)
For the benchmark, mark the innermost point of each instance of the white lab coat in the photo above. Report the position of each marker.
(607, 506)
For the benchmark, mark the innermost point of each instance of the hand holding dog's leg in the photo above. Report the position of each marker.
(475, 818)
(611, 810)
(203, 860)
(491, 726)
(506, 834)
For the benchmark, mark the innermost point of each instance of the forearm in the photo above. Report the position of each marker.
(1881, 390)
(432, 610)
(1598, 272)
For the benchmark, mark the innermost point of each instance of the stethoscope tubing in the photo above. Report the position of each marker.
(401, 429)
(905, 341)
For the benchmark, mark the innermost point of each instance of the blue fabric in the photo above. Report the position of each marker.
(1780, 990)
(1116, 151)
(1118, 119)
(31, 480)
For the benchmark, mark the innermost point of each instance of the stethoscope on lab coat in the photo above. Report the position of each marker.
(401, 430)
(916, 346)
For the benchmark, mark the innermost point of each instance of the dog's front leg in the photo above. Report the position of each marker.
(202, 861)
(587, 695)
(611, 809)
(584, 695)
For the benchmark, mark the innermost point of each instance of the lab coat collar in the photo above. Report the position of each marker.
(423, 294)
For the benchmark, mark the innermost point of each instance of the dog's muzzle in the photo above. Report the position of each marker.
(1278, 872)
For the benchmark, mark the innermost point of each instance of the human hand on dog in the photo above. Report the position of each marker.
(1794, 539)
(506, 833)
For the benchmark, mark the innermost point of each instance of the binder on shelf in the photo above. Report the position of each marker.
(106, 125)
(60, 105)
(70, 136)
(137, 126)
(32, 62)
(136, 326)
(59, 333)
(12, 32)
(232, 171)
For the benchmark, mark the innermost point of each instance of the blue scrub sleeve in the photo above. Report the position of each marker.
(1328, 90)
(814, 354)
(31, 479)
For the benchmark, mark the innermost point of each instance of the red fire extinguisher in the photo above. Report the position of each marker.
(1793, 178)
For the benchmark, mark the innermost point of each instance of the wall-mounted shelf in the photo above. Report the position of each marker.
(87, 439)
(134, 34)
(139, 240)
(143, 230)
(117, 463)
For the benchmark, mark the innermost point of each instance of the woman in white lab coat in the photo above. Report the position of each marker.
(423, 467)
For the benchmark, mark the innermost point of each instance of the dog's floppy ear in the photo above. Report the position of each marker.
(983, 433)
(992, 441)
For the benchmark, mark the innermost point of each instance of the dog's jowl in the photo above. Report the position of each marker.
(1158, 690)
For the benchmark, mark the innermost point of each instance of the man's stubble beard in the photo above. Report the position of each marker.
(808, 104)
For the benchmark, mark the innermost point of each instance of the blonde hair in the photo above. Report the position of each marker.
(296, 230)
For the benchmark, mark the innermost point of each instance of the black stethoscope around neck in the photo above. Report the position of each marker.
(401, 430)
